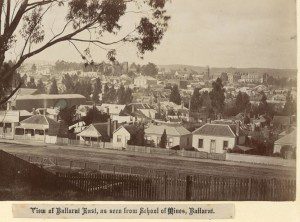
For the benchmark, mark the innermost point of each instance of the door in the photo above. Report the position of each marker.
(212, 146)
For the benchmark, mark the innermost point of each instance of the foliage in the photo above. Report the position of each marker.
(150, 69)
(163, 140)
(97, 90)
(67, 115)
(85, 22)
(217, 96)
(138, 139)
(196, 101)
(53, 87)
(31, 84)
(41, 88)
(290, 106)
(175, 95)
(242, 103)
(95, 116)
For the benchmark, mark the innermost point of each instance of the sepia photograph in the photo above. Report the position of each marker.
(148, 100)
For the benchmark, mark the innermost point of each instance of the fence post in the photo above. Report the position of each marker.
(189, 183)
(165, 181)
(249, 189)
(114, 169)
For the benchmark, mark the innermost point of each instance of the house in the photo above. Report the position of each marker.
(124, 133)
(97, 132)
(287, 140)
(176, 135)
(38, 128)
(144, 81)
(111, 109)
(9, 119)
(217, 138)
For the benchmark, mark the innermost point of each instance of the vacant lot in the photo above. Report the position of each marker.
(151, 162)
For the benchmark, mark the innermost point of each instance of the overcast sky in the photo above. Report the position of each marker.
(219, 33)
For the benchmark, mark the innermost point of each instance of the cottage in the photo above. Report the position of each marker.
(287, 140)
(97, 132)
(9, 119)
(176, 135)
(217, 138)
(125, 133)
(38, 128)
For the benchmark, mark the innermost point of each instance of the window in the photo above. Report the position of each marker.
(225, 145)
(119, 138)
(200, 143)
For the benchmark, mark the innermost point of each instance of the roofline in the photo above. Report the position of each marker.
(231, 131)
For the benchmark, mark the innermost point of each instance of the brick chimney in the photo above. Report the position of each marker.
(115, 125)
(107, 110)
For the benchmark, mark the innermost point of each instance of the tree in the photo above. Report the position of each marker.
(97, 90)
(290, 106)
(129, 96)
(242, 102)
(31, 84)
(121, 95)
(97, 18)
(263, 107)
(138, 138)
(67, 115)
(53, 87)
(163, 140)
(217, 96)
(93, 115)
(33, 68)
(69, 83)
(224, 77)
(150, 69)
(196, 101)
(206, 101)
(41, 87)
(175, 95)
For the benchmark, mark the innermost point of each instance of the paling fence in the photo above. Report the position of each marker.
(104, 185)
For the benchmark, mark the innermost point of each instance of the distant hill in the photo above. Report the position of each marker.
(217, 71)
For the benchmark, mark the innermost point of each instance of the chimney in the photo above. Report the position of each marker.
(107, 110)
(132, 108)
(115, 125)
(237, 131)
(109, 127)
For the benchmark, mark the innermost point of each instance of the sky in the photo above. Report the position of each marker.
(218, 33)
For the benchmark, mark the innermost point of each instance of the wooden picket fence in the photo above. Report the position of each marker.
(110, 186)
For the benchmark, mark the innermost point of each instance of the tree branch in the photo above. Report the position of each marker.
(3, 101)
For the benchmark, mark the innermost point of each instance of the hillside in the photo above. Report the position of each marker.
(216, 71)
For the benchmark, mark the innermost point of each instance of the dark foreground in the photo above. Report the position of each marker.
(21, 180)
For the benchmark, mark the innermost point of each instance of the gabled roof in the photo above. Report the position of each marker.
(289, 139)
(175, 130)
(96, 130)
(216, 130)
(36, 119)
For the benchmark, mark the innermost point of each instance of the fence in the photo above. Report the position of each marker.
(108, 186)
(260, 159)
